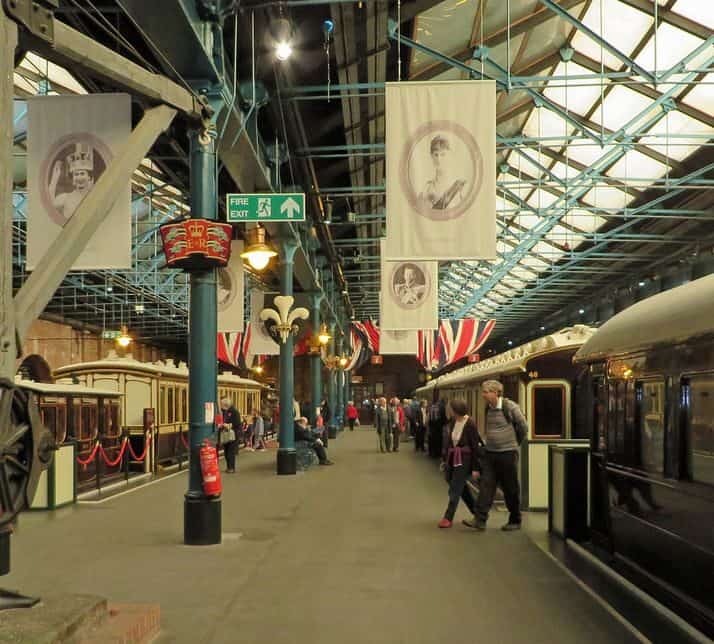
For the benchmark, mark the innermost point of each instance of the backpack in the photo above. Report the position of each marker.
(507, 410)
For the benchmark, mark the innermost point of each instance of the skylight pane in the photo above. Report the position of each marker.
(673, 44)
(702, 95)
(527, 220)
(588, 153)
(583, 220)
(621, 106)
(607, 197)
(637, 169)
(622, 26)
(534, 263)
(562, 171)
(673, 124)
(544, 122)
(521, 164)
(580, 94)
(542, 199)
(701, 12)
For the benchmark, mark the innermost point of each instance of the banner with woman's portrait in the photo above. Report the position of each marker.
(230, 291)
(71, 141)
(409, 295)
(441, 170)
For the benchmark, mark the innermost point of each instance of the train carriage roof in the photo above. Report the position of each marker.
(165, 368)
(514, 360)
(65, 388)
(672, 317)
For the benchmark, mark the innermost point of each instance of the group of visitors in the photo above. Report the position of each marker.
(232, 430)
(493, 462)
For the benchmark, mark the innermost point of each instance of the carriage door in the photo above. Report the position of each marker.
(599, 510)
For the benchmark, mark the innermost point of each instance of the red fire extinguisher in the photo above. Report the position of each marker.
(209, 470)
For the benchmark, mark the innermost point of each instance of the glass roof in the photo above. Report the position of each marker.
(634, 133)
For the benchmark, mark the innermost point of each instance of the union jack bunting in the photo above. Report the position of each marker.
(234, 348)
(454, 340)
(365, 343)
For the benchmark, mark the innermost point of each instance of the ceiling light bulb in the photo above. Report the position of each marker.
(283, 50)
(259, 259)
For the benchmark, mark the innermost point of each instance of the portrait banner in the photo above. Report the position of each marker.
(398, 343)
(261, 342)
(441, 170)
(71, 141)
(409, 294)
(230, 291)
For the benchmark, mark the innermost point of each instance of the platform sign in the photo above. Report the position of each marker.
(266, 207)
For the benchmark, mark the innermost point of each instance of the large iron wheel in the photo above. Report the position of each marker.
(26, 448)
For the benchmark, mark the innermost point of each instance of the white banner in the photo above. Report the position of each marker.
(261, 344)
(230, 292)
(409, 294)
(441, 170)
(71, 141)
(397, 343)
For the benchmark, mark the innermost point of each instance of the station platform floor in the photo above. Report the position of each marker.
(340, 555)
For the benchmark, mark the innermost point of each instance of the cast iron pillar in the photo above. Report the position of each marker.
(315, 360)
(287, 457)
(339, 374)
(202, 514)
(331, 394)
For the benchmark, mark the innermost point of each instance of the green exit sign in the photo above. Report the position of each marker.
(266, 207)
(110, 335)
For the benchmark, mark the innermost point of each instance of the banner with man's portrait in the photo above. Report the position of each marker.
(441, 170)
(261, 342)
(230, 291)
(71, 141)
(397, 343)
(409, 294)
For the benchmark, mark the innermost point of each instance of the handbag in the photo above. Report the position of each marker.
(228, 435)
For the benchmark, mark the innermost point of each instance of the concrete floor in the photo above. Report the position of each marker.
(343, 554)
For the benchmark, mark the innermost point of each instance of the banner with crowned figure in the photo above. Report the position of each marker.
(398, 343)
(71, 141)
(261, 342)
(409, 294)
(230, 291)
(441, 170)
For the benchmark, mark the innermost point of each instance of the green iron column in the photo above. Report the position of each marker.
(339, 375)
(202, 515)
(315, 360)
(331, 386)
(287, 457)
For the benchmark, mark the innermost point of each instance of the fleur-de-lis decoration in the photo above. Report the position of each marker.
(285, 319)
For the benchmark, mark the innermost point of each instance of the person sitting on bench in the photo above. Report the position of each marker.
(303, 433)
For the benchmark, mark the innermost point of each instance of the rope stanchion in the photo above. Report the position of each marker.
(117, 460)
(146, 449)
(91, 456)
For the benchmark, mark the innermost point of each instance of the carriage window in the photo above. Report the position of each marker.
(184, 404)
(89, 420)
(111, 418)
(650, 431)
(700, 441)
(616, 420)
(162, 404)
(170, 404)
(548, 411)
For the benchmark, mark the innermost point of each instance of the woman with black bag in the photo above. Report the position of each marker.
(460, 459)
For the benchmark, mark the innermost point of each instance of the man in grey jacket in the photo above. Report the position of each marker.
(505, 429)
(382, 423)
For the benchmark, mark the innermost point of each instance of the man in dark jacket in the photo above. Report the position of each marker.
(231, 428)
(303, 433)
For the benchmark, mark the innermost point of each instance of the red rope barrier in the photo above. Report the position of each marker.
(143, 454)
(118, 458)
(91, 456)
(183, 440)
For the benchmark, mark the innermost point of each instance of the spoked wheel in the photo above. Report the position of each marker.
(26, 448)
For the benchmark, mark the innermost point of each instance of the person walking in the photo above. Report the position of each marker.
(396, 422)
(229, 433)
(258, 431)
(381, 423)
(421, 421)
(459, 459)
(352, 415)
(506, 427)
